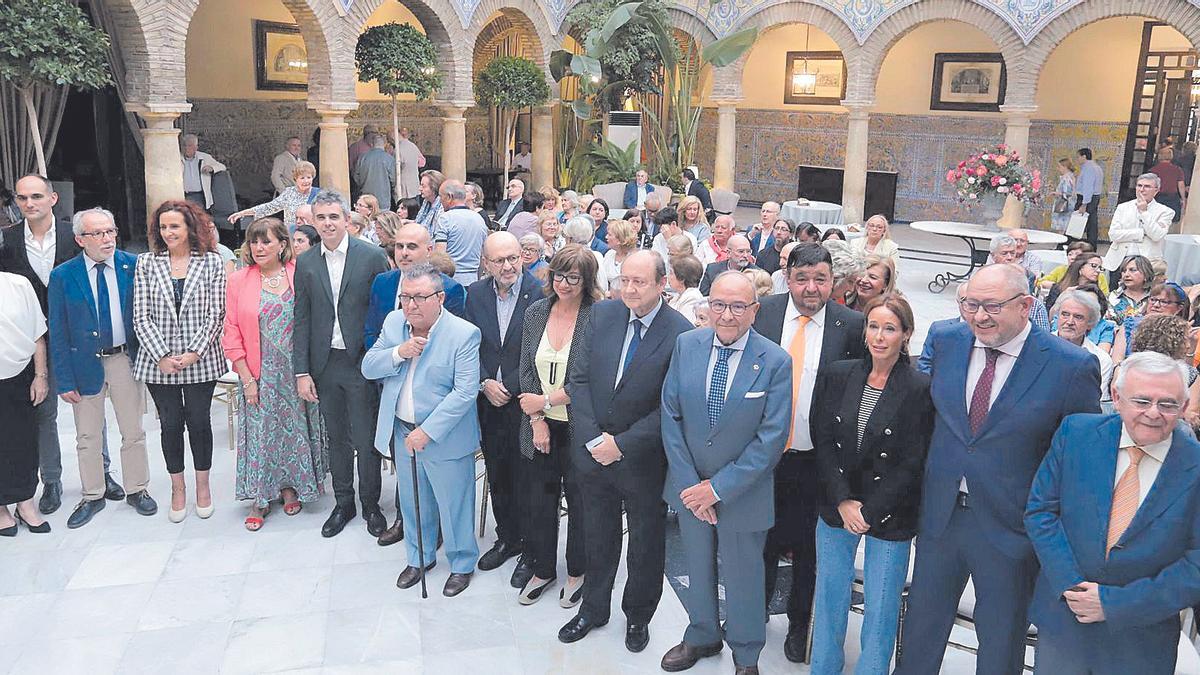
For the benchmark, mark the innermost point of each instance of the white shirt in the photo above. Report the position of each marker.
(1009, 351)
(738, 346)
(1148, 468)
(1134, 232)
(335, 262)
(779, 281)
(641, 196)
(659, 246)
(814, 339)
(41, 253)
(645, 321)
(1106, 368)
(405, 409)
(191, 174)
(21, 324)
(114, 296)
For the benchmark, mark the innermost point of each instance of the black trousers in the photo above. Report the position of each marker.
(1091, 231)
(603, 493)
(547, 476)
(180, 406)
(501, 443)
(797, 492)
(348, 406)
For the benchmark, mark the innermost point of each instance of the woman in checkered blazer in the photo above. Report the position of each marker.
(178, 313)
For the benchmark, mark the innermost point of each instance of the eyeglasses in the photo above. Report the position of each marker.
(102, 234)
(1163, 301)
(571, 279)
(1165, 407)
(530, 249)
(971, 306)
(417, 299)
(736, 308)
(509, 260)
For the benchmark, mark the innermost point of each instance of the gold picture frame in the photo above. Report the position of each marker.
(827, 86)
(280, 57)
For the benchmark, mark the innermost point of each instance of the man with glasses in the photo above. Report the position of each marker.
(739, 258)
(1139, 226)
(496, 306)
(513, 203)
(989, 374)
(1077, 313)
(770, 259)
(429, 363)
(1114, 516)
(93, 347)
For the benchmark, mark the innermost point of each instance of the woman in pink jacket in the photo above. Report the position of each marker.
(281, 441)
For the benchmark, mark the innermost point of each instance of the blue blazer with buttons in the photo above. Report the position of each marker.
(384, 289)
(74, 330)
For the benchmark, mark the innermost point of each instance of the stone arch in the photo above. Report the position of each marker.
(530, 15)
(158, 77)
(683, 19)
(135, 50)
(902, 22)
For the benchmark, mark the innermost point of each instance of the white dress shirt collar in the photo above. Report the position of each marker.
(790, 314)
(1014, 346)
(341, 248)
(1158, 450)
(738, 344)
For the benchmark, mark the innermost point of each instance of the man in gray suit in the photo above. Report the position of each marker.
(333, 290)
(375, 172)
(726, 403)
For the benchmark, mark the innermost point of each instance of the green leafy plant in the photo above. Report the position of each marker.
(49, 43)
(401, 60)
(511, 83)
(607, 162)
(632, 54)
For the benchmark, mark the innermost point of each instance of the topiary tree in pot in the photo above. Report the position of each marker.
(511, 83)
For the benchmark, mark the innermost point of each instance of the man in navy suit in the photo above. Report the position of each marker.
(93, 347)
(726, 404)
(1000, 387)
(496, 305)
(925, 361)
(615, 388)
(1114, 515)
(413, 245)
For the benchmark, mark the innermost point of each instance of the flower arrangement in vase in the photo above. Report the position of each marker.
(992, 175)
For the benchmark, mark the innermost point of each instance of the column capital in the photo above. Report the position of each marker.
(728, 101)
(1021, 113)
(159, 111)
(858, 109)
(454, 108)
(335, 109)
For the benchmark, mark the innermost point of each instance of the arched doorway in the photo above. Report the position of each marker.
(508, 32)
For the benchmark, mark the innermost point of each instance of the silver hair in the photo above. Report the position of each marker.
(533, 238)
(190, 138)
(570, 197)
(77, 219)
(331, 197)
(1088, 300)
(425, 270)
(378, 141)
(679, 240)
(847, 263)
(1001, 242)
(455, 191)
(1152, 177)
(1150, 363)
(580, 230)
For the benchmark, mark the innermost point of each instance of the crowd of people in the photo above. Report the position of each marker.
(754, 381)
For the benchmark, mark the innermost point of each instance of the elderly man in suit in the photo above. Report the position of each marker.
(988, 374)
(333, 290)
(425, 348)
(1114, 516)
(94, 346)
(496, 306)
(816, 332)
(740, 258)
(725, 410)
(284, 163)
(616, 387)
(198, 168)
(925, 360)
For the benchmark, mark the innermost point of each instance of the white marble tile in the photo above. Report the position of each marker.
(378, 668)
(445, 621)
(37, 571)
(116, 565)
(356, 545)
(282, 592)
(493, 661)
(92, 655)
(190, 650)
(367, 585)
(192, 601)
(209, 557)
(275, 643)
(97, 611)
(390, 632)
(277, 550)
(16, 624)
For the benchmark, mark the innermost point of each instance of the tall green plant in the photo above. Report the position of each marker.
(511, 83)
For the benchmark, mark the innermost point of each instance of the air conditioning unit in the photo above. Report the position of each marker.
(622, 128)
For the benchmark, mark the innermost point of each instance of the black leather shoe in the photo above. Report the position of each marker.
(84, 512)
(393, 534)
(44, 528)
(411, 576)
(457, 583)
(376, 523)
(637, 636)
(522, 574)
(143, 503)
(577, 629)
(683, 656)
(336, 522)
(113, 491)
(795, 643)
(51, 498)
(498, 555)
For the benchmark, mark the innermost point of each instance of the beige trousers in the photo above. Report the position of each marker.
(126, 394)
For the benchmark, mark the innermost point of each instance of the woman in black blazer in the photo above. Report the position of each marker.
(871, 422)
(552, 328)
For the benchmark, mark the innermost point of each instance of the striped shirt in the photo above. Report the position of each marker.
(870, 397)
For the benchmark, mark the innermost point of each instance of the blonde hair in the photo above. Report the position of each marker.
(303, 168)
(623, 232)
(683, 206)
(887, 227)
(680, 244)
(763, 286)
(372, 202)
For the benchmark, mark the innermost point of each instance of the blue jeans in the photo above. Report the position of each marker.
(886, 569)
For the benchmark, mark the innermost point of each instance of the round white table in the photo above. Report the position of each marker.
(817, 213)
(1182, 253)
(972, 233)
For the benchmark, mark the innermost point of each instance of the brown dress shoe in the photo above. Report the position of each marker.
(746, 670)
(457, 583)
(392, 535)
(683, 656)
(411, 576)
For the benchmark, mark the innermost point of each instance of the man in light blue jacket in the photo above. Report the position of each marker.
(428, 360)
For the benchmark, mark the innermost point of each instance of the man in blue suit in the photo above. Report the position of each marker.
(1000, 388)
(429, 362)
(413, 246)
(726, 404)
(636, 190)
(925, 361)
(93, 347)
(1114, 515)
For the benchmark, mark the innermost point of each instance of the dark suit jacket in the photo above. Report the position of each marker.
(843, 336)
(481, 310)
(629, 199)
(700, 191)
(13, 258)
(925, 361)
(383, 302)
(884, 473)
(628, 410)
(503, 206)
(713, 270)
(314, 304)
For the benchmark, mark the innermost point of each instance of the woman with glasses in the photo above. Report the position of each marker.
(533, 256)
(621, 240)
(1104, 333)
(552, 325)
(878, 241)
(1168, 298)
(367, 206)
(1130, 298)
(1086, 269)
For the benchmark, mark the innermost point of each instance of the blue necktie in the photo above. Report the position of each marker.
(716, 388)
(103, 310)
(633, 345)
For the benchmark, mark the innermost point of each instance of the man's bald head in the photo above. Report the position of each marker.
(502, 258)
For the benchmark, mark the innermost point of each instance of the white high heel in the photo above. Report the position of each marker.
(177, 516)
(205, 512)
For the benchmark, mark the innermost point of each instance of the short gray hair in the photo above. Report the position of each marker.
(378, 141)
(1001, 242)
(1152, 177)
(1151, 363)
(189, 138)
(455, 191)
(427, 271)
(580, 229)
(77, 219)
(331, 197)
(532, 238)
(1088, 300)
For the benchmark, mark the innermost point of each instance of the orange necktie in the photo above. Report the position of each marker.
(1125, 498)
(796, 349)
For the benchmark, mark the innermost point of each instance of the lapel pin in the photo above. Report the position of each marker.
(838, 323)
(756, 366)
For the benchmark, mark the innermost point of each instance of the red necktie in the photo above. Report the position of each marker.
(981, 399)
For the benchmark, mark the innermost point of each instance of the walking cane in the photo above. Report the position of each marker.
(420, 535)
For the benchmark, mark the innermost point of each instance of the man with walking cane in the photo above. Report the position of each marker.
(429, 363)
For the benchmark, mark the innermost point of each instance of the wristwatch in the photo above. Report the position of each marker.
(547, 406)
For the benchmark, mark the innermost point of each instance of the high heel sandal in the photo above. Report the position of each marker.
(44, 528)
(293, 507)
(255, 523)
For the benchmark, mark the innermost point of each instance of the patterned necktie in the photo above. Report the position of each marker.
(796, 350)
(716, 388)
(633, 345)
(981, 399)
(1125, 499)
(103, 308)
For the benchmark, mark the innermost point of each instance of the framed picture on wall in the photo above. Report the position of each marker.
(281, 61)
(815, 78)
(973, 81)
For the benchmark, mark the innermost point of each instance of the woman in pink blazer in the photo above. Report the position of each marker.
(281, 441)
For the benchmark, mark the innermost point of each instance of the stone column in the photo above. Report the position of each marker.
(160, 141)
(335, 155)
(725, 157)
(454, 141)
(1191, 216)
(542, 135)
(854, 178)
(1017, 119)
